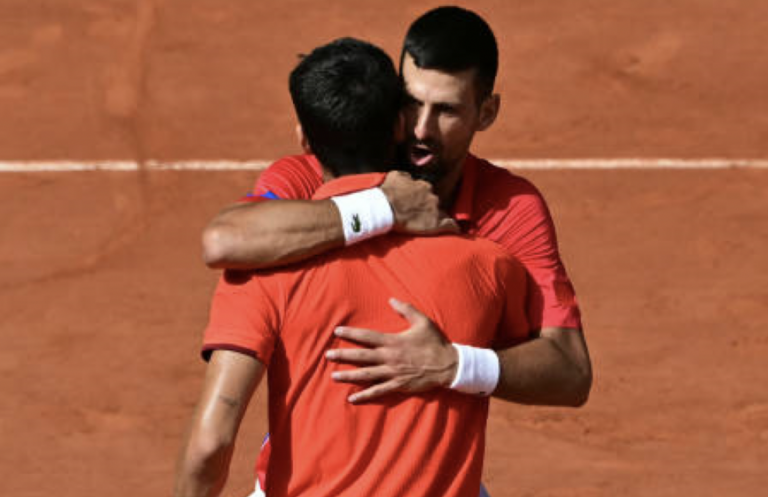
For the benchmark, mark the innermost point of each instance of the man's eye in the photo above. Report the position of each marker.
(448, 110)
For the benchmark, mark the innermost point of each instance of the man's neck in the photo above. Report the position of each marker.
(448, 188)
(327, 175)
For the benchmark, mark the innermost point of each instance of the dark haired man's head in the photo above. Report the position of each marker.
(448, 67)
(452, 39)
(347, 98)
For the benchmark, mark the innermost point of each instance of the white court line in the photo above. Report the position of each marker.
(258, 165)
(78, 166)
(632, 163)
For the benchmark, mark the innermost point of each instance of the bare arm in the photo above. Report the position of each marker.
(551, 369)
(203, 466)
(273, 233)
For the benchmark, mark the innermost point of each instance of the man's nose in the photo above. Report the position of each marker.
(425, 125)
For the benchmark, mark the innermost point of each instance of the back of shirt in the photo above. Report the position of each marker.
(428, 444)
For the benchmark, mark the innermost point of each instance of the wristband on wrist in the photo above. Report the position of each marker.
(478, 370)
(364, 214)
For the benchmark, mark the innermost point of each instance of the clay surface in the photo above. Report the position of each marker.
(103, 295)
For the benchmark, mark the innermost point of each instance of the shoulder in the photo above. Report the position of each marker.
(292, 177)
(494, 181)
(510, 211)
(496, 260)
(259, 284)
(262, 292)
(502, 198)
(478, 257)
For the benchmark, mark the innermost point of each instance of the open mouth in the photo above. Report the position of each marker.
(421, 155)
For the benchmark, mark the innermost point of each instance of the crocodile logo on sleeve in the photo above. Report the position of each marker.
(356, 224)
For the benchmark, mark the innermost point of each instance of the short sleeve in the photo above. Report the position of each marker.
(243, 317)
(294, 177)
(514, 326)
(551, 297)
(521, 223)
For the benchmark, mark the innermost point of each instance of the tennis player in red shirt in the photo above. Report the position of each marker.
(284, 321)
(448, 64)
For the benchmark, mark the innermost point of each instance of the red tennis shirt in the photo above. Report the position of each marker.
(492, 203)
(427, 444)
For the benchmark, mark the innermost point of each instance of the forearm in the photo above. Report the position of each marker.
(278, 232)
(203, 473)
(271, 233)
(552, 369)
(203, 466)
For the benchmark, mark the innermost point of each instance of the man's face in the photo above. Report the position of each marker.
(442, 116)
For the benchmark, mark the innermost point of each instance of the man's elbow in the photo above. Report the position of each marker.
(217, 246)
(206, 459)
(576, 366)
(581, 388)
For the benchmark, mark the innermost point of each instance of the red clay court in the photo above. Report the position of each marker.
(103, 296)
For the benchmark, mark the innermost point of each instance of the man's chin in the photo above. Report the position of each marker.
(430, 173)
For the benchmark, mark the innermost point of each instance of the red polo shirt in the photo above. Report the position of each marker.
(428, 444)
(492, 203)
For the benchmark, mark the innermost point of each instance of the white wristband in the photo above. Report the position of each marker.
(364, 214)
(478, 370)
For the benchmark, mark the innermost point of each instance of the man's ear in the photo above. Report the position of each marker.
(302, 139)
(488, 111)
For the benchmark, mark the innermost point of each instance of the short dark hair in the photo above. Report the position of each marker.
(454, 39)
(347, 98)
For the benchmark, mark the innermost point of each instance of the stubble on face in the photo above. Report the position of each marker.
(431, 173)
(441, 117)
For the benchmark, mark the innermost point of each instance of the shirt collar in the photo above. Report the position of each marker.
(348, 184)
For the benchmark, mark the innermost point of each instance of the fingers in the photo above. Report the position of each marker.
(354, 356)
(374, 392)
(362, 336)
(363, 375)
(406, 310)
(429, 222)
(448, 225)
(402, 190)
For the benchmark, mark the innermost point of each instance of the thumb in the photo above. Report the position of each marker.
(410, 313)
(448, 225)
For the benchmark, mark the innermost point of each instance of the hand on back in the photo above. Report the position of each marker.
(416, 206)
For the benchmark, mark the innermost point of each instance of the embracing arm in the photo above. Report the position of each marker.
(230, 381)
(550, 369)
(277, 232)
(271, 233)
(553, 366)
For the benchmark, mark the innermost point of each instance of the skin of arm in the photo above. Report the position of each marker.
(273, 233)
(231, 378)
(553, 368)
